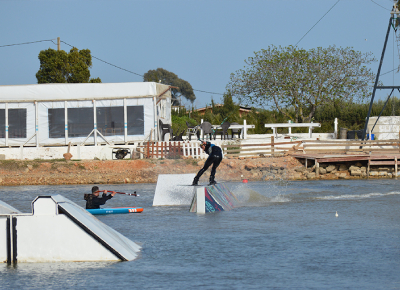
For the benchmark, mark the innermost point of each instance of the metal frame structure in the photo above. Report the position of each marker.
(394, 15)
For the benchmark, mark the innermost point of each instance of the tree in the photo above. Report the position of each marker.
(296, 81)
(169, 78)
(229, 110)
(58, 66)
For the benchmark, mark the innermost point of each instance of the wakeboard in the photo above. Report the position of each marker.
(115, 210)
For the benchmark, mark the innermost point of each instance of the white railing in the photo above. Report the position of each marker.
(193, 149)
(274, 127)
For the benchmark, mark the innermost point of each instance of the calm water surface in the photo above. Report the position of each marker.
(283, 236)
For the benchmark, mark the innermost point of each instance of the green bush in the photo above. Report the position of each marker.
(179, 123)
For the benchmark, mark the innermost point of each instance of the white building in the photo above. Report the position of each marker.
(57, 114)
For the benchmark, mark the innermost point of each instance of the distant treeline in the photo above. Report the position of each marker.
(350, 115)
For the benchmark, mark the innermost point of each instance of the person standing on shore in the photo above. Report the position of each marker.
(93, 201)
(214, 157)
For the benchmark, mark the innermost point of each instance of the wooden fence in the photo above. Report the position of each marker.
(261, 150)
(169, 150)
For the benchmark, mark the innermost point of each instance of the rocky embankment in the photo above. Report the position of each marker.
(348, 170)
(40, 172)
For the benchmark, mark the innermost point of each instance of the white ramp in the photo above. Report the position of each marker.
(5, 208)
(174, 189)
(58, 230)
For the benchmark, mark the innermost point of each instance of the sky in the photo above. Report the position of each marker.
(201, 41)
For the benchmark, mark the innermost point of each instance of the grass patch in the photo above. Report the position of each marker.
(22, 164)
(191, 162)
(56, 160)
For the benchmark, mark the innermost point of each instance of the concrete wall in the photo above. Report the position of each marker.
(78, 152)
(386, 128)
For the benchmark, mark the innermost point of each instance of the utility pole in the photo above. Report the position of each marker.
(58, 44)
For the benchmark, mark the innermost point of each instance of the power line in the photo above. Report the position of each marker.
(137, 73)
(118, 67)
(208, 92)
(380, 5)
(317, 22)
(51, 40)
(121, 68)
(108, 62)
(388, 72)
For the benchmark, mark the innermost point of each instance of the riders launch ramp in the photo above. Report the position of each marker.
(60, 230)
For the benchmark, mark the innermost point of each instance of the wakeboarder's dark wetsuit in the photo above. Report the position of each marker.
(214, 157)
(93, 202)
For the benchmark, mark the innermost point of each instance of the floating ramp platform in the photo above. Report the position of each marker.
(58, 230)
(175, 189)
(212, 198)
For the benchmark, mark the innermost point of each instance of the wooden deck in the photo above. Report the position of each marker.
(376, 158)
(330, 158)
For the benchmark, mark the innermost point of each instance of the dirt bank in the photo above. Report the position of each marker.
(36, 172)
(54, 172)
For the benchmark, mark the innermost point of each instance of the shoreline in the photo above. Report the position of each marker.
(61, 172)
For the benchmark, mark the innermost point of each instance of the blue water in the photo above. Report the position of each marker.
(285, 235)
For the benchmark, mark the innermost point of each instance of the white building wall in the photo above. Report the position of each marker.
(38, 99)
(387, 127)
(78, 152)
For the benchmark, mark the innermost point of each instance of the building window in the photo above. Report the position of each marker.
(110, 120)
(2, 123)
(135, 120)
(56, 123)
(16, 123)
(80, 122)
